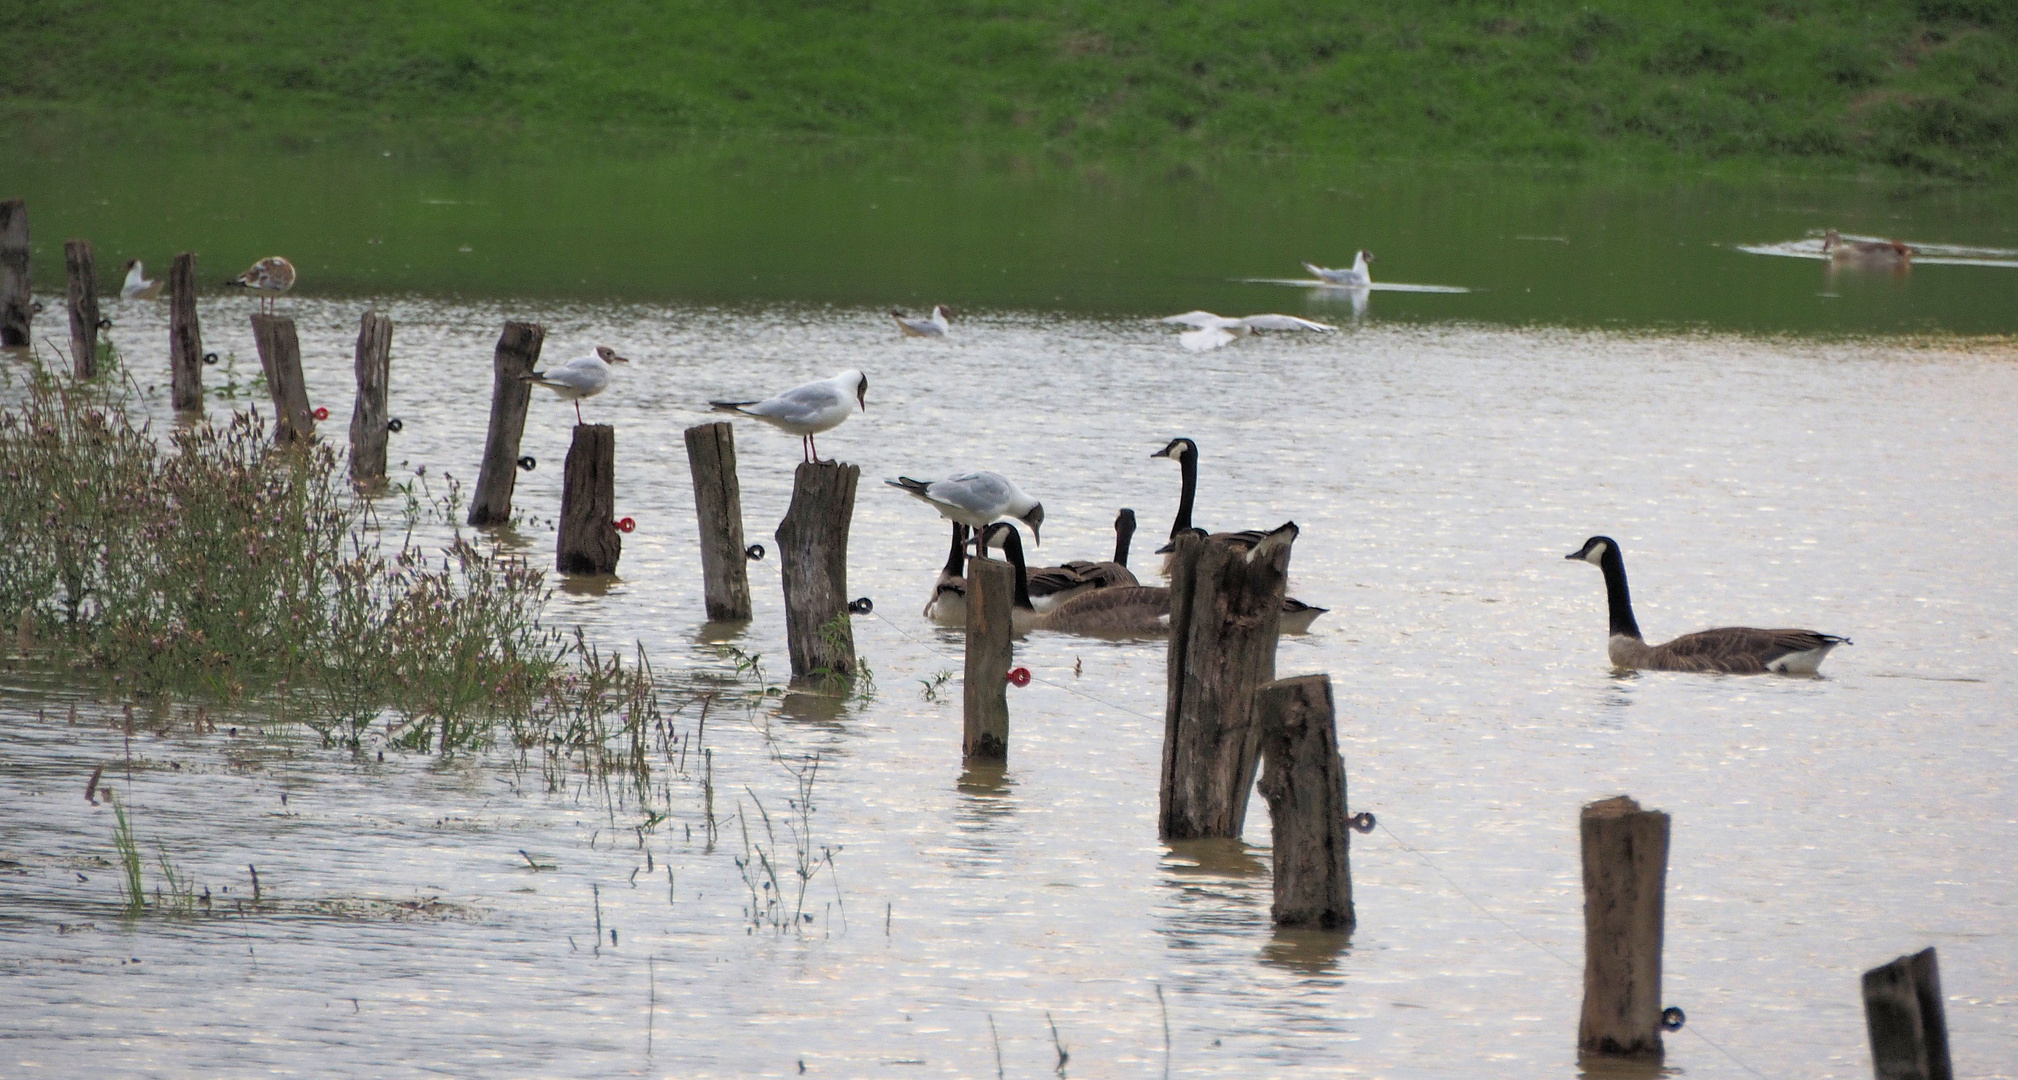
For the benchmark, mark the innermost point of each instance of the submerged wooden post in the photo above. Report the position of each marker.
(1625, 851)
(82, 271)
(1908, 1023)
(718, 509)
(991, 588)
(1303, 779)
(813, 557)
(17, 303)
(185, 337)
(589, 542)
(518, 350)
(1225, 614)
(367, 418)
(280, 359)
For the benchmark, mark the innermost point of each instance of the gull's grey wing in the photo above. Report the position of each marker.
(980, 492)
(1198, 319)
(799, 404)
(1284, 322)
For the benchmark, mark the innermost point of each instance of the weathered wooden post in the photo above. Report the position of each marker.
(991, 587)
(79, 266)
(1907, 1021)
(813, 558)
(1303, 779)
(589, 542)
(1225, 614)
(17, 302)
(718, 509)
(1625, 851)
(518, 351)
(185, 337)
(368, 430)
(280, 359)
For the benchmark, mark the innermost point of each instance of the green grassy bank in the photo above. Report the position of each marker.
(1822, 86)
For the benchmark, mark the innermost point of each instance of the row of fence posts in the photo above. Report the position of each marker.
(1226, 715)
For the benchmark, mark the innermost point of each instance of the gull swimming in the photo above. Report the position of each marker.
(1211, 331)
(807, 410)
(976, 499)
(272, 275)
(1356, 277)
(137, 286)
(584, 376)
(935, 326)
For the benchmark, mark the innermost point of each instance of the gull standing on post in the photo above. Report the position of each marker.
(807, 410)
(137, 286)
(976, 499)
(1211, 331)
(934, 327)
(272, 275)
(584, 376)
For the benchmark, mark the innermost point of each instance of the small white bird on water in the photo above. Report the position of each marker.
(1356, 277)
(137, 286)
(807, 410)
(1211, 331)
(272, 275)
(584, 376)
(976, 499)
(934, 327)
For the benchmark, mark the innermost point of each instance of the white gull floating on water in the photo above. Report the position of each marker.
(807, 410)
(1210, 331)
(936, 326)
(584, 376)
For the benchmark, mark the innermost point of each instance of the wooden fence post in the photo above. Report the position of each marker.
(991, 588)
(813, 558)
(718, 509)
(368, 430)
(1303, 779)
(589, 542)
(17, 301)
(1907, 1021)
(518, 351)
(1225, 614)
(1625, 854)
(185, 336)
(280, 359)
(82, 271)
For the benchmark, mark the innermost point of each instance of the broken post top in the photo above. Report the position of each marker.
(1617, 806)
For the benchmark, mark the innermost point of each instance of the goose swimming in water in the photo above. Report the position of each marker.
(935, 326)
(1886, 253)
(1051, 586)
(1731, 650)
(808, 409)
(1355, 277)
(137, 286)
(948, 606)
(1296, 615)
(1122, 611)
(976, 499)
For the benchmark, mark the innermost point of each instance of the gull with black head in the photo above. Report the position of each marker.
(581, 377)
(976, 499)
(807, 410)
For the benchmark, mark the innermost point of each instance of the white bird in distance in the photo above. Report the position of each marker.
(1210, 331)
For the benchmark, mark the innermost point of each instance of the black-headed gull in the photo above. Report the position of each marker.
(137, 286)
(807, 410)
(935, 326)
(1210, 331)
(271, 276)
(1356, 277)
(584, 376)
(976, 499)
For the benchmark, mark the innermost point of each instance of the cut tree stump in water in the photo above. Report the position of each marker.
(1225, 614)
(1906, 1019)
(718, 510)
(589, 541)
(1303, 779)
(280, 359)
(368, 432)
(1625, 856)
(813, 559)
(80, 267)
(185, 336)
(991, 590)
(17, 301)
(518, 351)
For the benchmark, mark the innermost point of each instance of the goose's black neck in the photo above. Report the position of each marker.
(1187, 466)
(956, 557)
(1621, 601)
(1012, 545)
(1124, 531)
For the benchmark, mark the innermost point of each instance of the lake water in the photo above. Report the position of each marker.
(1758, 463)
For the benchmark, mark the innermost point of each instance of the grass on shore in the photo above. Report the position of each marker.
(1927, 87)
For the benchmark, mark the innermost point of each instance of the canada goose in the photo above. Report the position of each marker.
(935, 326)
(270, 276)
(1210, 331)
(1119, 611)
(1732, 650)
(1296, 615)
(807, 409)
(976, 499)
(137, 287)
(1356, 277)
(948, 606)
(1887, 253)
(581, 377)
(1053, 585)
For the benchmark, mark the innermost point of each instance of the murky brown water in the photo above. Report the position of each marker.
(1439, 474)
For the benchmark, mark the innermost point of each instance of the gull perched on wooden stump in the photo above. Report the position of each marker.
(807, 410)
(271, 276)
(1210, 331)
(976, 499)
(584, 376)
